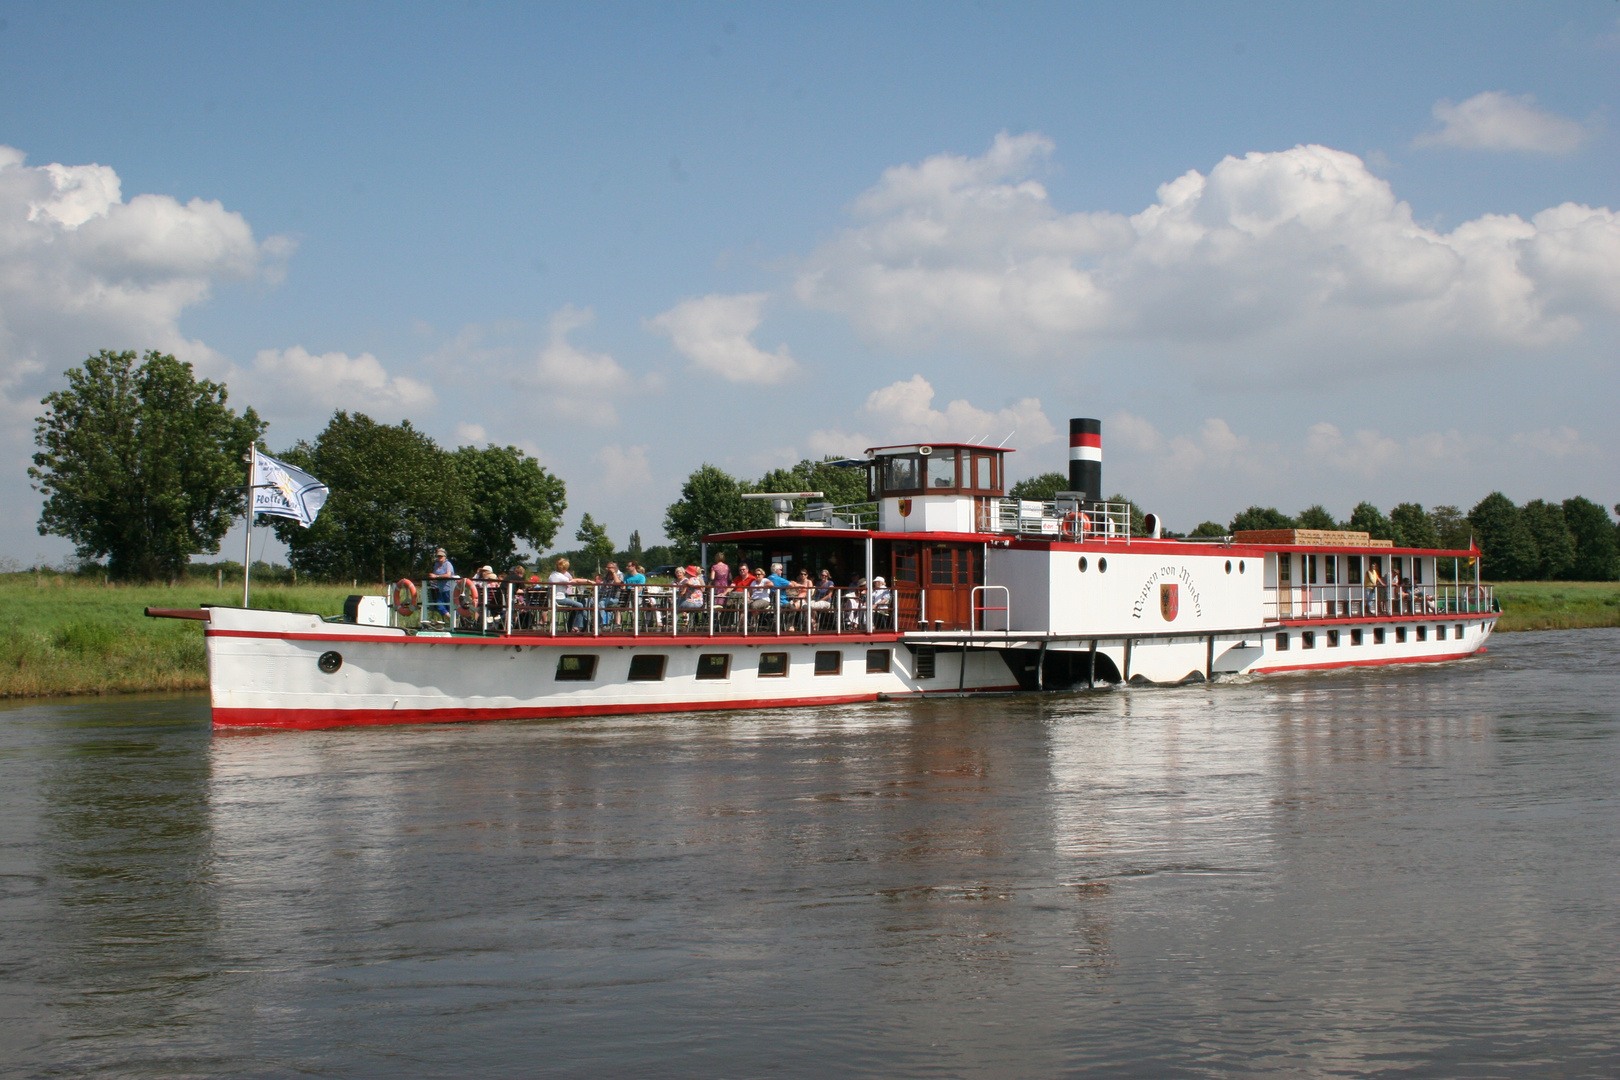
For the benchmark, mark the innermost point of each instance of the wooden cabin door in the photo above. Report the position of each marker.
(949, 572)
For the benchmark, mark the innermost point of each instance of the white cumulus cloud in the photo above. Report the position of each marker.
(577, 384)
(82, 270)
(624, 470)
(295, 381)
(903, 412)
(715, 333)
(1497, 121)
(1271, 259)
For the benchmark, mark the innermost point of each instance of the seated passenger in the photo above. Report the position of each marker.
(768, 590)
(689, 589)
(562, 582)
(855, 603)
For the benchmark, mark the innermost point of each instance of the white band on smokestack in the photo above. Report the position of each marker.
(1085, 453)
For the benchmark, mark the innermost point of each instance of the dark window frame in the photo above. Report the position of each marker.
(883, 667)
(585, 673)
(643, 658)
(787, 665)
(838, 668)
(720, 676)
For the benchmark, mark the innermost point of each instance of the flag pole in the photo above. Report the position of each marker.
(247, 529)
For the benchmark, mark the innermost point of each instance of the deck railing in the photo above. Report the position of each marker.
(596, 610)
(1064, 519)
(1358, 602)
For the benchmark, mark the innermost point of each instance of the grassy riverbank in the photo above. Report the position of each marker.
(68, 635)
(1558, 605)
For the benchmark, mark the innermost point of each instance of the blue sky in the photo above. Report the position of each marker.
(1288, 255)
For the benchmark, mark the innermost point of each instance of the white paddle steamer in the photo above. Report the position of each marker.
(984, 594)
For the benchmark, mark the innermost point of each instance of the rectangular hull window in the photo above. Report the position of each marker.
(1439, 633)
(1400, 635)
(773, 664)
(715, 665)
(1423, 633)
(576, 668)
(1378, 635)
(1456, 632)
(1307, 640)
(647, 668)
(877, 661)
(829, 662)
(1355, 637)
(1333, 639)
(1282, 642)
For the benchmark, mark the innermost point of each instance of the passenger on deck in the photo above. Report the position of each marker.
(720, 573)
(441, 581)
(881, 595)
(743, 578)
(1371, 583)
(689, 589)
(854, 602)
(517, 575)
(767, 589)
(798, 594)
(562, 594)
(822, 598)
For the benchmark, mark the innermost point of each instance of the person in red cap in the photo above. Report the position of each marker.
(689, 588)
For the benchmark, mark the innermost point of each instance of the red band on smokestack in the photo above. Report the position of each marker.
(1085, 438)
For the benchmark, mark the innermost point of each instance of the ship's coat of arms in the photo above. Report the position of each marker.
(905, 507)
(1169, 602)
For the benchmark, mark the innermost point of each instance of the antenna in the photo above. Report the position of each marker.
(1010, 434)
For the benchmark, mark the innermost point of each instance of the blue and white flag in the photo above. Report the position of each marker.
(283, 491)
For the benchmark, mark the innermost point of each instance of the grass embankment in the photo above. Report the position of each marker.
(68, 635)
(1558, 605)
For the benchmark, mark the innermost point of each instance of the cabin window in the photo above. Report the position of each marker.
(773, 664)
(1228, 565)
(942, 469)
(1102, 565)
(1417, 571)
(1282, 642)
(1355, 638)
(877, 661)
(714, 665)
(924, 662)
(1333, 639)
(1439, 633)
(1400, 635)
(1353, 573)
(647, 667)
(905, 563)
(1378, 635)
(1310, 570)
(1423, 633)
(981, 467)
(576, 668)
(1083, 564)
(1330, 571)
(829, 662)
(1307, 639)
(1285, 571)
(1456, 632)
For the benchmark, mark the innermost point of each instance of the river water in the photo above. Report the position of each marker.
(1401, 872)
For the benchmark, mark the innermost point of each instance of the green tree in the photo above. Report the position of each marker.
(1210, 529)
(1369, 519)
(596, 549)
(1260, 517)
(711, 501)
(632, 549)
(1505, 542)
(140, 465)
(1316, 517)
(511, 498)
(1555, 546)
(1042, 488)
(1452, 526)
(1138, 519)
(396, 495)
(1597, 554)
(1412, 527)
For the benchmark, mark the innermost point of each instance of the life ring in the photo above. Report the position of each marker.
(402, 597)
(1077, 522)
(466, 599)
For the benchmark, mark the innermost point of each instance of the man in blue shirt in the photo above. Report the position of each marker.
(772, 583)
(441, 582)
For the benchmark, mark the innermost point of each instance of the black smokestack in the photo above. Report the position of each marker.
(1085, 459)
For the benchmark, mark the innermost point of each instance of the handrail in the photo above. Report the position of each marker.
(973, 624)
(600, 610)
(1359, 601)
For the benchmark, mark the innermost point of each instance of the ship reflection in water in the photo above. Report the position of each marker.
(1402, 870)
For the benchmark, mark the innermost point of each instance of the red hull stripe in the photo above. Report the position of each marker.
(1438, 658)
(1081, 438)
(571, 640)
(325, 718)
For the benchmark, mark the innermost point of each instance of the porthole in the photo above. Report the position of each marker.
(1083, 564)
(1228, 566)
(1102, 566)
(1240, 566)
(330, 661)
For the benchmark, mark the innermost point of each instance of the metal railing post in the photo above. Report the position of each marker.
(596, 611)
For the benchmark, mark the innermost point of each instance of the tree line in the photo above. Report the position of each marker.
(143, 465)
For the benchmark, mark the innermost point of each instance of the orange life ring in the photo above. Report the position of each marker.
(402, 597)
(1078, 522)
(466, 599)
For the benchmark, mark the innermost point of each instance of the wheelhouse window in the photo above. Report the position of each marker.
(901, 474)
(576, 668)
(942, 469)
